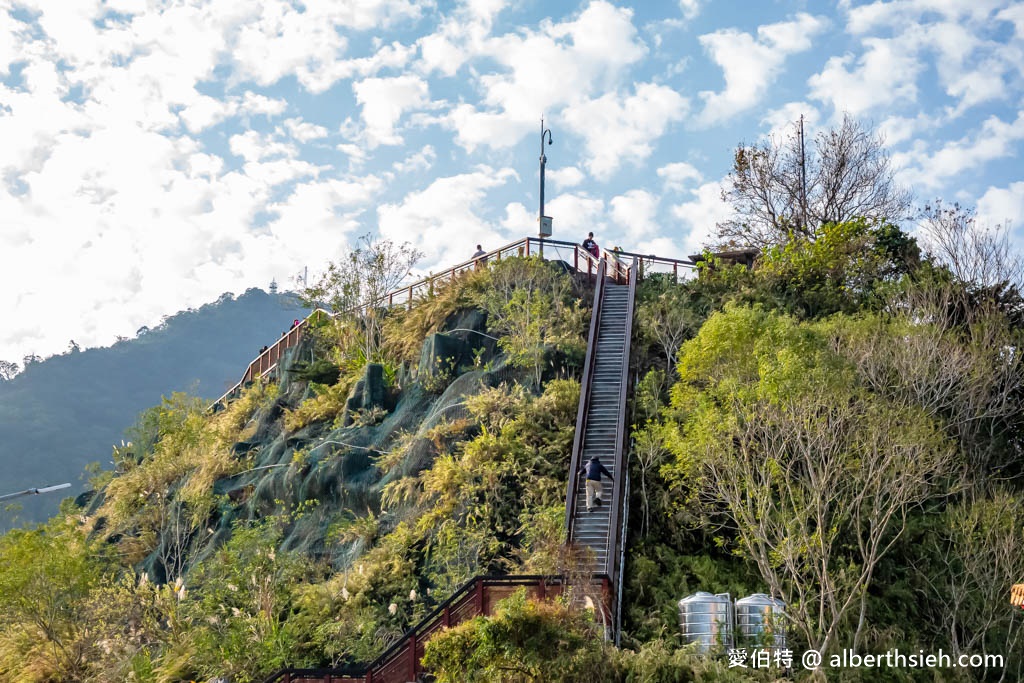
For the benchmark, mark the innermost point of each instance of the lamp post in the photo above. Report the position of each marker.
(543, 221)
(33, 492)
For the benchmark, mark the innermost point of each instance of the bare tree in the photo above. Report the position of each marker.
(982, 557)
(8, 369)
(981, 255)
(818, 488)
(959, 363)
(848, 175)
(357, 283)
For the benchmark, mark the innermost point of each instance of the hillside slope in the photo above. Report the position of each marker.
(62, 413)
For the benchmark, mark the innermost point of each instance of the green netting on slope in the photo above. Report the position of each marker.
(335, 468)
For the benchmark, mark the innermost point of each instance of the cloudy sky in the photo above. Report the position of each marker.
(156, 154)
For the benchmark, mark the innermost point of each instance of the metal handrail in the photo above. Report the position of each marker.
(621, 432)
(582, 412)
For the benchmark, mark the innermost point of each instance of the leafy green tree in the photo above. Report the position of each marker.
(775, 433)
(46, 575)
(532, 305)
(524, 641)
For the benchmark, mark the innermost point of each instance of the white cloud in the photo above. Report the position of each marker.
(384, 100)
(678, 175)
(752, 64)
(783, 120)
(565, 177)
(635, 213)
(1015, 15)
(699, 217)
(443, 220)
(421, 160)
(689, 8)
(898, 13)
(1003, 206)
(885, 75)
(519, 220)
(576, 214)
(619, 129)
(543, 71)
(303, 131)
(995, 139)
(308, 40)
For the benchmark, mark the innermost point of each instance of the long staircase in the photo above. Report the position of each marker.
(591, 529)
(601, 431)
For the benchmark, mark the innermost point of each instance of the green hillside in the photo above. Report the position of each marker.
(64, 412)
(839, 426)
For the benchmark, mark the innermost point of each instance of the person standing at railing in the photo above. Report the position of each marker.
(591, 246)
(479, 252)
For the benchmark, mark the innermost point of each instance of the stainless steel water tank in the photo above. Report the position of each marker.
(761, 620)
(706, 619)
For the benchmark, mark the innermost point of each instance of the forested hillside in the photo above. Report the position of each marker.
(838, 426)
(64, 412)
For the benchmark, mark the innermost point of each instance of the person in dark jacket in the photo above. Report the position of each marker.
(594, 469)
(590, 245)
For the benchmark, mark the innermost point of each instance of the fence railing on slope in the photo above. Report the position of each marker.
(575, 255)
(401, 662)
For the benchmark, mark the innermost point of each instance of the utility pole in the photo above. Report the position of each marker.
(544, 222)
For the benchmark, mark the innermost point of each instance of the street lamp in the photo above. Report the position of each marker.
(34, 492)
(544, 221)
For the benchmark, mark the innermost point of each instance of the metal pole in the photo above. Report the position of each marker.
(35, 492)
(543, 162)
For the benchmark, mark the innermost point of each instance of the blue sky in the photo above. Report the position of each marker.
(157, 154)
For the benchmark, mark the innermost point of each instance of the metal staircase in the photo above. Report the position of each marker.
(601, 430)
(591, 529)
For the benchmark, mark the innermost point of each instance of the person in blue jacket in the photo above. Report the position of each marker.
(594, 469)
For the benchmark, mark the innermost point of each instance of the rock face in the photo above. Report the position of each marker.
(460, 342)
(370, 392)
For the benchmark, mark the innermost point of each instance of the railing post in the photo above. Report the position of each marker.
(446, 616)
(479, 596)
(412, 657)
(369, 675)
(408, 303)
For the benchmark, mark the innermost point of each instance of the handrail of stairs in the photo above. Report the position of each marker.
(401, 658)
(621, 435)
(584, 407)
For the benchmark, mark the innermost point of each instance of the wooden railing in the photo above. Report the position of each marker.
(573, 254)
(401, 662)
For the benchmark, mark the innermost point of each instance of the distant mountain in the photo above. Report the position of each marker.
(64, 412)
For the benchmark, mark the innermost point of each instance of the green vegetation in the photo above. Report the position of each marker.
(842, 430)
(839, 426)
